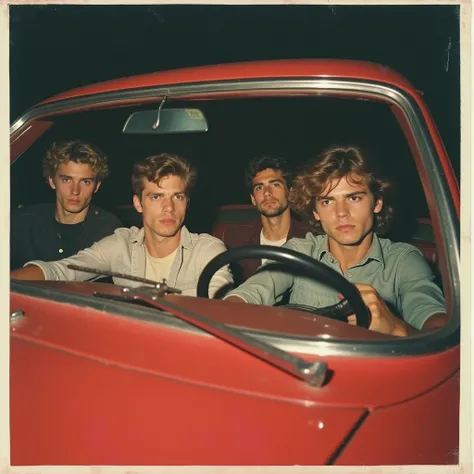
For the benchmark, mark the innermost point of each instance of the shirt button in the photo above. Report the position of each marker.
(349, 275)
(60, 250)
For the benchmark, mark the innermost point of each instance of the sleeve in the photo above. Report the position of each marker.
(267, 286)
(223, 277)
(97, 256)
(418, 295)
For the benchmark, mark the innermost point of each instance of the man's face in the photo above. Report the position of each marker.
(75, 184)
(270, 192)
(347, 212)
(163, 206)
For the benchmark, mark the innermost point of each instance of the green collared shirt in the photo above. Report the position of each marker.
(398, 271)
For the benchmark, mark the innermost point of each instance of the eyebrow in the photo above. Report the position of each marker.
(356, 193)
(270, 182)
(150, 193)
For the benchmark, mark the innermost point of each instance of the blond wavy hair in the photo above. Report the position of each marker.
(78, 152)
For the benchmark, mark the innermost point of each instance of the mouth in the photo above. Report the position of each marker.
(74, 202)
(167, 222)
(345, 228)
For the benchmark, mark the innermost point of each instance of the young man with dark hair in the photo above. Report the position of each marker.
(346, 202)
(162, 248)
(268, 179)
(48, 231)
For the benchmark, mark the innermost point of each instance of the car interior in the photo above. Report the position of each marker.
(297, 128)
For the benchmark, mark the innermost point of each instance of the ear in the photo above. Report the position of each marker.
(97, 186)
(253, 200)
(51, 182)
(188, 201)
(378, 205)
(137, 204)
(316, 216)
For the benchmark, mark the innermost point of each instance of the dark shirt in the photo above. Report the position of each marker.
(249, 234)
(36, 235)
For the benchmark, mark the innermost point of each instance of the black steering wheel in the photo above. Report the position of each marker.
(352, 304)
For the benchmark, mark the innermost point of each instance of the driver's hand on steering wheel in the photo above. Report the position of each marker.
(382, 319)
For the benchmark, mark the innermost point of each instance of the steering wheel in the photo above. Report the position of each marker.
(352, 304)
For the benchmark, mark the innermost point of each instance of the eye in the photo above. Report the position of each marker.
(179, 197)
(355, 198)
(65, 180)
(325, 202)
(87, 181)
(258, 188)
(155, 197)
(276, 185)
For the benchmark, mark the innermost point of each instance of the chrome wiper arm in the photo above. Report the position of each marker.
(160, 286)
(314, 373)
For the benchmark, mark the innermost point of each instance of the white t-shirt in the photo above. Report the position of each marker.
(275, 243)
(158, 268)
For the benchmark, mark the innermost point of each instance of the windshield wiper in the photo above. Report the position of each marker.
(314, 373)
(161, 286)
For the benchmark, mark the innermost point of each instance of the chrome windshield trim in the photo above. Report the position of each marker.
(327, 86)
(436, 186)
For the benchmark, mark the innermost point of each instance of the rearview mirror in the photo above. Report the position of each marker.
(163, 121)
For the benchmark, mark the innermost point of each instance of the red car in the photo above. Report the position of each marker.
(102, 375)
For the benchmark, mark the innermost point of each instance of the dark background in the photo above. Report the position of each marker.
(57, 47)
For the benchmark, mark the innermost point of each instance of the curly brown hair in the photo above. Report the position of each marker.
(334, 163)
(77, 151)
(263, 162)
(155, 167)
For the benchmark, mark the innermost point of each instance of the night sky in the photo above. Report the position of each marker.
(57, 47)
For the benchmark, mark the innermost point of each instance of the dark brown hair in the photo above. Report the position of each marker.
(263, 162)
(334, 163)
(154, 168)
(76, 151)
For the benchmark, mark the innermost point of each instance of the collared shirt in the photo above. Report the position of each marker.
(397, 271)
(124, 252)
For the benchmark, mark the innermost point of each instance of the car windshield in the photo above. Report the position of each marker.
(295, 127)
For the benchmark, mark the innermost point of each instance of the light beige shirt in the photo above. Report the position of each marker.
(124, 252)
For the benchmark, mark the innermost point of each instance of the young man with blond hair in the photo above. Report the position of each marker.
(48, 231)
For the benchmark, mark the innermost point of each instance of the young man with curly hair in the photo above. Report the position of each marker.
(162, 249)
(268, 179)
(48, 231)
(347, 204)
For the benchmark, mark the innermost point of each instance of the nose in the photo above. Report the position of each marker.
(168, 204)
(342, 209)
(267, 191)
(76, 188)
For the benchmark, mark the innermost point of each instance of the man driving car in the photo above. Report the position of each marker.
(162, 248)
(349, 205)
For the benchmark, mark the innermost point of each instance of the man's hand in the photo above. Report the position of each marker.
(383, 320)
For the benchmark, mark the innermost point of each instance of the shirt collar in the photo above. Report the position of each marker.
(374, 253)
(185, 238)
